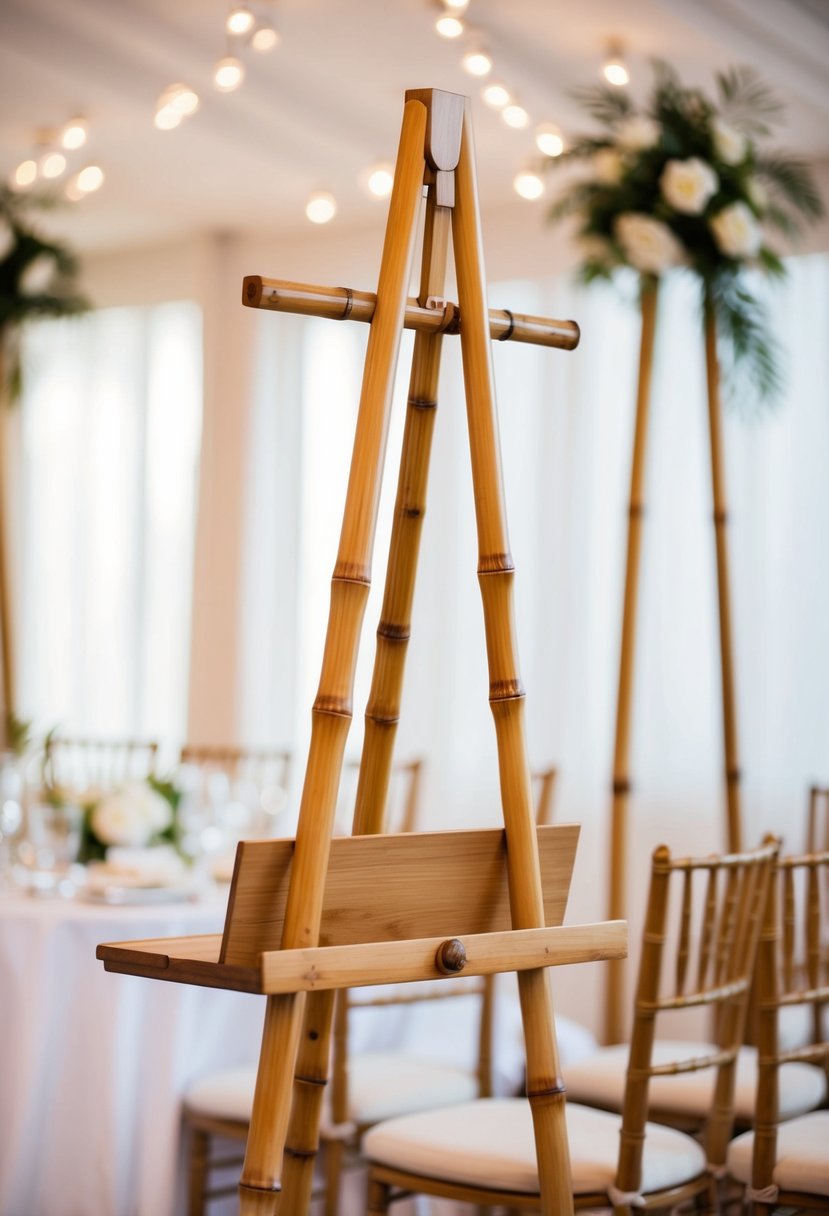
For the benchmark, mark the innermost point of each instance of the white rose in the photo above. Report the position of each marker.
(648, 244)
(606, 165)
(736, 231)
(131, 816)
(7, 239)
(688, 185)
(37, 276)
(729, 144)
(637, 132)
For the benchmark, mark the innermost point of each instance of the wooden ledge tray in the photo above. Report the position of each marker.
(390, 903)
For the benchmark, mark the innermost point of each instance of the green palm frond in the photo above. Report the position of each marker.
(605, 104)
(790, 178)
(746, 101)
(750, 356)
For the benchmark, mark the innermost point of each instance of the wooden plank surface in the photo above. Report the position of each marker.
(390, 888)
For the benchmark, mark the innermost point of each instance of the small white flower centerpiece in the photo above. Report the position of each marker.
(138, 815)
(686, 181)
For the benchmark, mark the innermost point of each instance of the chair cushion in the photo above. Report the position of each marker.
(601, 1080)
(490, 1143)
(795, 1024)
(381, 1084)
(802, 1155)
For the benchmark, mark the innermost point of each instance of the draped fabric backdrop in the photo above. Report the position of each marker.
(108, 482)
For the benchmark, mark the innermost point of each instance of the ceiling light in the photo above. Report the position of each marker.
(228, 73)
(182, 98)
(548, 139)
(75, 133)
(25, 174)
(614, 68)
(448, 26)
(240, 20)
(515, 116)
(167, 118)
(496, 95)
(477, 61)
(90, 179)
(456, 6)
(380, 180)
(528, 184)
(51, 165)
(321, 207)
(264, 38)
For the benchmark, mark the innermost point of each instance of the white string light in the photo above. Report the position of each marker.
(74, 134)
(515, 116)
(477, 61)
(528, 184)
(496, 95)
(264, 37)
(549, 140)
(25, 174)
(448, 26)
(380, 179)
(240, 20)
(456, 6)
(90, 179)
(228, 73)
(51, 165)
(321, 207)
(614, 68)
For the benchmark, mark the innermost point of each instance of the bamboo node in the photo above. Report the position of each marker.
(422, 403)
(506, 690)
(720, 515)
(411, 512)
(351, 572)
(621, 785)
(636, 510)
(733, 775)
(248, 1188)
(338, 707)
(496, 563)
(451, 956)
(349, 304)
(510, 330)
(549, 1091)
(318, 1081)
(393, 632)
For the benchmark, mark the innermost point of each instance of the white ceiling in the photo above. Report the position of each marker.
(315, 112)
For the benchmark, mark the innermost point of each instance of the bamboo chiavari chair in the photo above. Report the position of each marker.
(421, 906)
(482, 1152)
(403, 801)
(84, 764)
(787, 1163)
(262, 766)
(817, 824)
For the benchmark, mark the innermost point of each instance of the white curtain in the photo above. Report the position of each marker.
(566, 427)
(109, 437)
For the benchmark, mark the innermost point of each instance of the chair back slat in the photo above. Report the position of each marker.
(81, 765)
(684, 948)
(260, 765)
(708, 922)
(789, 926)
(817, 829)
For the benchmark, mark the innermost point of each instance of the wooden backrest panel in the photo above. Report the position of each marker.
(383, 887)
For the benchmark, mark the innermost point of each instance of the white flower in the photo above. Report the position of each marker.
(648, 244)
(736, 231)
(637, 132)
(688, 185)
(38, 275)
(606, 165)
(131, 816)
(7, 239)
(729, 144)
(757, 193)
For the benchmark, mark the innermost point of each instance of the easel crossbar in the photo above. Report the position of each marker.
(331, 967)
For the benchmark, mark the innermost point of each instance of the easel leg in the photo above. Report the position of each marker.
(331, 716)
(734, 830)
(544, 1086)
(617, 909)
(384, 700)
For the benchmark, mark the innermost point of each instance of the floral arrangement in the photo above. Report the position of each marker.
(141, 814)
(685, 182)
(38, 276)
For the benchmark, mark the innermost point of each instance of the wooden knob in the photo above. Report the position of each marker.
(451, 956)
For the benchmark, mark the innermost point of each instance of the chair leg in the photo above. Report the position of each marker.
(199, 1163)
(378, 1197)
(334, 1153)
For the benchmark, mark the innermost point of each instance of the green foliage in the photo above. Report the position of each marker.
(38, 276)
(684, 183)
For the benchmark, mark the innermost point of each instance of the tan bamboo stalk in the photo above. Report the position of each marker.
(6, 636)
(545, 1089)
(432, 313)
(331, 715)
(382, 714)
(615, 996)
(734, 830)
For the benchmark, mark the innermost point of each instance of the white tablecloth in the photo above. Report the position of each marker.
(93, 1065)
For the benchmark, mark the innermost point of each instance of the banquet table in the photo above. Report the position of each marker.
(93, 1065)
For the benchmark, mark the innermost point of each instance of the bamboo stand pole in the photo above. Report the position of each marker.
(545, 1089)
(617, 900)
(382, 714)
(331, 715)
(734, 830)
(6, 647)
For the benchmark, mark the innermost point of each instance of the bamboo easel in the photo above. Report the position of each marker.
(615, 1002)
(393, 908)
